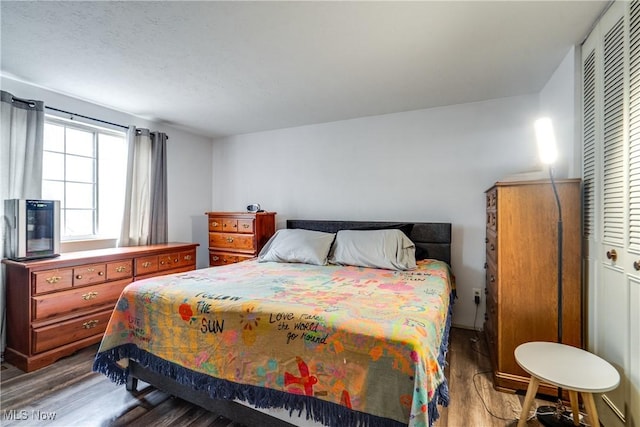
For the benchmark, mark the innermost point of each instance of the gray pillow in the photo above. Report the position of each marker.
(389, 249)
(297, 245)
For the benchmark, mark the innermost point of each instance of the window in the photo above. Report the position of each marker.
(85, 168)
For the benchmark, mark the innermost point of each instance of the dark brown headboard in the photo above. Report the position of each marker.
(432, 239)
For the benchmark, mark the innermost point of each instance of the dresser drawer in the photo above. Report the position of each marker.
(168, 261)
(492, 220)
(221, 258)
(491, 245)
(230, 225)
(52, 336)
(491, 281)
(89, 274)
(65, 302)
(146, 265)
(492, 199)
(490, 334)
(215, 224)
(187, 258)
(52, 280)
(246, 226)
(236, 241)
(120, 269)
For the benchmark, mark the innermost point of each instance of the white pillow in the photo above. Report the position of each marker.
(389, 249)
(297, 245)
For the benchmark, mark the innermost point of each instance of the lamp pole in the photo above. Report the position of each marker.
(551, 416)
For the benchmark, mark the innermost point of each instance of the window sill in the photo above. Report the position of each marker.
(87, 245)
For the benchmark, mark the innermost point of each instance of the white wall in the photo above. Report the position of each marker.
(188, 163)
(559, 100)
(425, 165)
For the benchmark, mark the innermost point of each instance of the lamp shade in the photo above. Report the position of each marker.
(547, 149)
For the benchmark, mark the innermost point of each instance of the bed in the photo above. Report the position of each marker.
(337, 345)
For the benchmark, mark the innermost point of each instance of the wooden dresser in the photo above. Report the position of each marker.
(237, 236)
(58, 305)
(521, 272)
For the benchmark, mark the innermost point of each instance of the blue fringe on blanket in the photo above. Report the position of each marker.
(327, 413)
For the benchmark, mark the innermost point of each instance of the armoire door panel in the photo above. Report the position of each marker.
(611, 197)
(634, 352)
(613, 332)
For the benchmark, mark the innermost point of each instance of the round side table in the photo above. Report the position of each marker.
(571, 368)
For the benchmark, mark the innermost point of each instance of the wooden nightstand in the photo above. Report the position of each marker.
(238, 236)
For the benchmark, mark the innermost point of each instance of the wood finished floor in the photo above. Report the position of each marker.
(79, 397)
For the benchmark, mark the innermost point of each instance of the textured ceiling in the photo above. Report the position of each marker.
(224, 68)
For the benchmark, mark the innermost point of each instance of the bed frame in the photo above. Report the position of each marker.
(433, 240)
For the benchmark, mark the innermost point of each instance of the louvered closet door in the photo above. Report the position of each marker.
(611, 173)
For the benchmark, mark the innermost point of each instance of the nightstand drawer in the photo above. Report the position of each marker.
(215, 224)
(221, 258)
(236, 241)
(230, 225)
(245, 226)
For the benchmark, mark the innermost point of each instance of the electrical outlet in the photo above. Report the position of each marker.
(476, 295)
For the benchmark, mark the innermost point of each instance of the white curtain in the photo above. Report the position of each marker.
(145, 207)
(21, 142)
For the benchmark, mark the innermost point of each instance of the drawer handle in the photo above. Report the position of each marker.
(187, 257)
(121, 269)
(53, 279)
(245, 225)
(224, 225)
(612, 255)
(100, 273)
(214, 224)
(91, 270)
(493, 279)
(215, 258)
(79, 276)
(636, 265)
(90, 324)
(89, 296)
(493, 247)
(176, 259)
(230, 239)
(146, 264)
(234, 226)
(224, 260)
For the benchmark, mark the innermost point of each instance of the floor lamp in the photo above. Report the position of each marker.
(553, 416)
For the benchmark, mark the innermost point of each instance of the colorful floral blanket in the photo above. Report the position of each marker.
(346, 343)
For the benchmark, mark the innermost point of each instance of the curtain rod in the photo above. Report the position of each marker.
(30, 102)
(85, 117)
